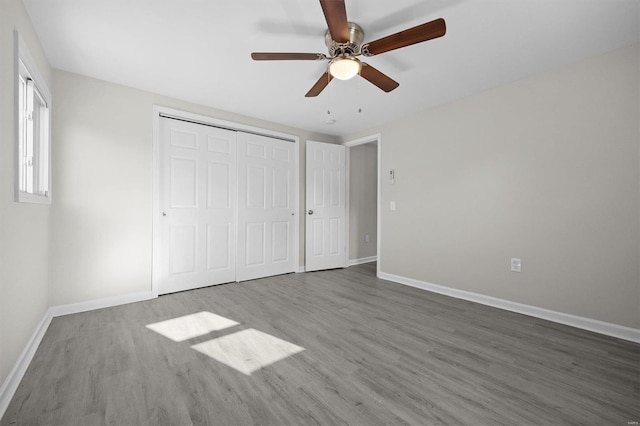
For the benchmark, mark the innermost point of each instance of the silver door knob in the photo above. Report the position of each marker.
(310, 212)
(164, 213)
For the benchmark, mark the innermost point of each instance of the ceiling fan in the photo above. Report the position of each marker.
(344, 41)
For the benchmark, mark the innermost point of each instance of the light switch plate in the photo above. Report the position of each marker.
(392, 205)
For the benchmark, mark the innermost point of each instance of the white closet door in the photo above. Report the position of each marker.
(326, 225)
(265, 207)
(197, 206)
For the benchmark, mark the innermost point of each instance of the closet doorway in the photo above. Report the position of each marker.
(225, 206)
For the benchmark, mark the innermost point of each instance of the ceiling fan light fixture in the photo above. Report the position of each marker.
(344, 68)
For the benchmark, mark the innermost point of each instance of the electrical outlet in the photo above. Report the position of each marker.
(516, 264)
(366, 238)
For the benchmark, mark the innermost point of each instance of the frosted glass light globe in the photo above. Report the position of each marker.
(344, 68)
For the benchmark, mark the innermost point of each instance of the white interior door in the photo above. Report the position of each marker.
(326, 212)
(197, 200)
(266, 210)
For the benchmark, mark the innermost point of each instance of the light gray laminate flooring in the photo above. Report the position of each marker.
(355, 350)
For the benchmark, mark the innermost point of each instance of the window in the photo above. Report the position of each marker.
(33, 136)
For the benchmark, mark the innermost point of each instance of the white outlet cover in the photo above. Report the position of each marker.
(516, 264)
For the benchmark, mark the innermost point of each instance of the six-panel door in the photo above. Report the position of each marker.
(266, 237)
(325, 207)
(198, 203)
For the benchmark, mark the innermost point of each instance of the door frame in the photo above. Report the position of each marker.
(377, 138)
(224, 124)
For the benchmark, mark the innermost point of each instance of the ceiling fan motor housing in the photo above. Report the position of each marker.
(356, 36)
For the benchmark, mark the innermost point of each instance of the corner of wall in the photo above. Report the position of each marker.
(24, 228)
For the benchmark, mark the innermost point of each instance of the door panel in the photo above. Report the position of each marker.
(280, 189)
(334, 236)
(219, 246)
(197, 194)
(182, 249)
(219, 186)
(280, 248)
(326, 206)
(265, 209)
(255, 188)
(183, 139)
(219, 145)
(254, 244)
(183, 182)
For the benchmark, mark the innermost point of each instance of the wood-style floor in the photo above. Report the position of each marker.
(375, 352)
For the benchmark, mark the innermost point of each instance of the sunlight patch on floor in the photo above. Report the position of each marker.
(190, 326)
(248, 350)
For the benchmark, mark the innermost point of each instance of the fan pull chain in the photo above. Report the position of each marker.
(359, 85)
(328, 96)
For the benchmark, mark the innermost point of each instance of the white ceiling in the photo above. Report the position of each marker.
(199, 50)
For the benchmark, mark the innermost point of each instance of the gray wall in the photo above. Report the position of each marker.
(24, 228)
(102, 169)
(545, 169)
(363, 200)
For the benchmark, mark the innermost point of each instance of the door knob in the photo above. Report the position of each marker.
(310, 212)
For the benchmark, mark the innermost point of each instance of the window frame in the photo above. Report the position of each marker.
(25, 67)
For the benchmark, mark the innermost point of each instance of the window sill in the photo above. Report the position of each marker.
(25, 197)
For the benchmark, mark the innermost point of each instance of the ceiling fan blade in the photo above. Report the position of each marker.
(274, 56)
(378, 78)
(335, 13)
(424, 32)
(320, 85)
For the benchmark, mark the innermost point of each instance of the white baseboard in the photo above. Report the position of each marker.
(107, 302)
(609, 329)
(353, 262)
(10, 385)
